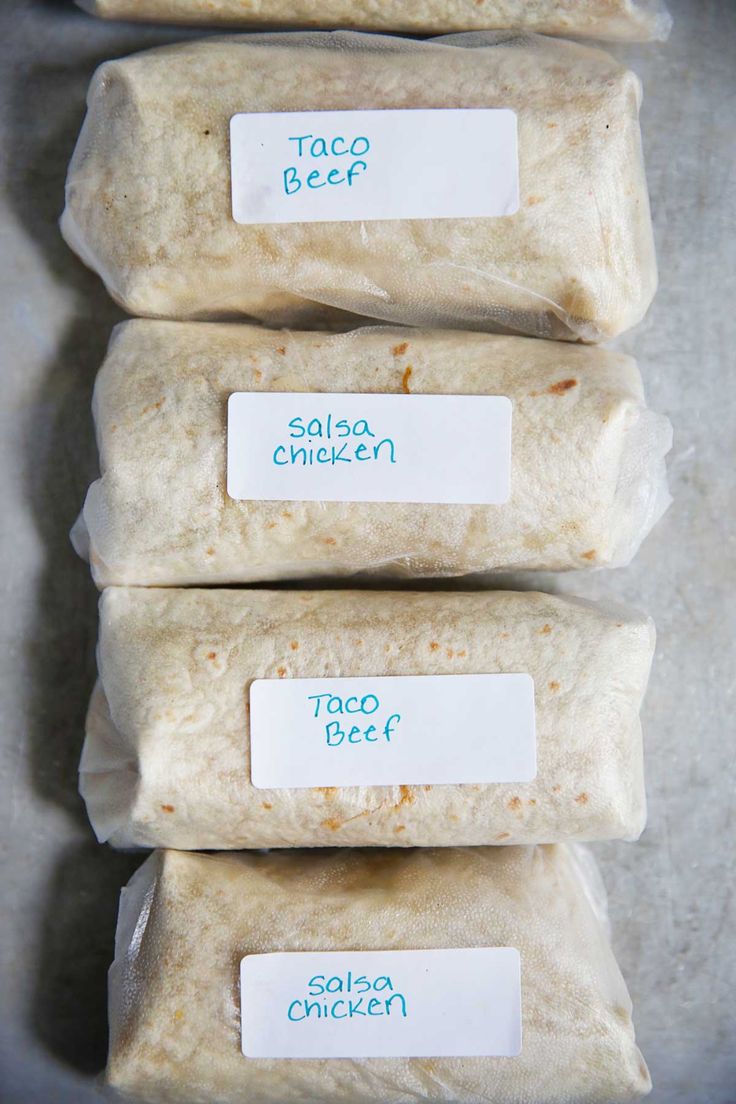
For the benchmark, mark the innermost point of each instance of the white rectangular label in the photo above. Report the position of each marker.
(392, 730)
(342, 166)
(369, 448)
(461, 1003)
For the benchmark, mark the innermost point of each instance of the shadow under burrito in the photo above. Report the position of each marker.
(69, 1009)
(58, 437)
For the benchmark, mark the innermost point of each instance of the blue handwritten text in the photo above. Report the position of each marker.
(354, 999)
(309, 148)
(352, 449)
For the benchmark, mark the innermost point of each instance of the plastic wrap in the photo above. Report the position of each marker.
(149, 190)
(587, 472)
(186, 921)
(622, 20)
(167, 758)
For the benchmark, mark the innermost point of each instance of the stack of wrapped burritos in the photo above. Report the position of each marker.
(371, 276)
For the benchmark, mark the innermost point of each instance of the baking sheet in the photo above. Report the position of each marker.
(671, 895)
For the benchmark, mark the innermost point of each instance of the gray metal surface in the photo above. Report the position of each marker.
(672, 895)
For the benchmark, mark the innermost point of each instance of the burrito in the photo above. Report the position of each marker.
(182, 1026)
(623, 20)
(532, 215)
(228, 719)
(587, 474)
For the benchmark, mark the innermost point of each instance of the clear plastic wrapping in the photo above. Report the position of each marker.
(617, 20)
(186, 920)
(167, 758)
(148, 201)
(588, 477)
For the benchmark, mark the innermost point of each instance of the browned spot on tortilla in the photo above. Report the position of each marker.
(589, 555)
(286, 514)
(450, 653)
(462, 654)
(168, 808)
(212, 655)
(399, 350)
(582, 799)
(258, 374)
(514, 804)
(267, 805)
(294, 645)
(426, 787)
(407, 796)
(554, 685)
(281, 671)
(503, 835)
(433, 646)
(271, 525)
(552, 126)
(545, 629)
(152, 406)
(330, 540)
(210, 552)
(453, 818)
(400, 828)
(532, 201)
(532, 801)
(405, 379)
(332, 823)
(561, 387)
(327, 791)
(281, 350)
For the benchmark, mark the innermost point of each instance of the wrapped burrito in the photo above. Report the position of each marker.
(586, 460)
(228, 719)
(532, 215)
(184, 1029)
(623, 20)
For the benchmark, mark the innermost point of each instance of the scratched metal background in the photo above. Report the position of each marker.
(672, 895)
